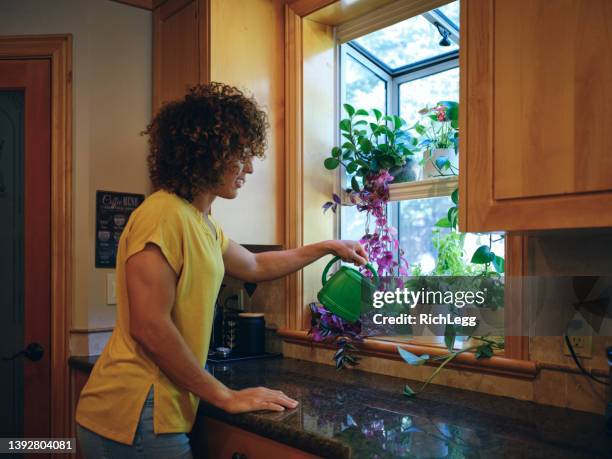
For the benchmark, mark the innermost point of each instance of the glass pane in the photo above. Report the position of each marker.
(416, 222)
(405, 43)
(451, 11)
(431, 250)
(352, 223)
(416, 94)
(364, 89)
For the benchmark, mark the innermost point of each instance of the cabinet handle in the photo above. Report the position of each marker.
(237, 455)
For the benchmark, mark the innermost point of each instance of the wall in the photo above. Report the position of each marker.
(319, 123)
(247, 51)
(112, 104)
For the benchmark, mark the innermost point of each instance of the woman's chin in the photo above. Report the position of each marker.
(229, 194)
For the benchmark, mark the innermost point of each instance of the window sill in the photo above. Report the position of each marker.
(496, 365)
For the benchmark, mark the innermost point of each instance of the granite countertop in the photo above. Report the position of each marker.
(354, 414)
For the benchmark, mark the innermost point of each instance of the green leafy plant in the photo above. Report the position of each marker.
(372, 143)
(439, 127)
(450, 244)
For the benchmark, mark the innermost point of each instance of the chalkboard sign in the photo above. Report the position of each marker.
(112, 213)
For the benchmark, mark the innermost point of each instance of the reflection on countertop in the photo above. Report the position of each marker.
(363, 415)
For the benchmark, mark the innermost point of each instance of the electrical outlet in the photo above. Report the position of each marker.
(111, 296)
(583, 346)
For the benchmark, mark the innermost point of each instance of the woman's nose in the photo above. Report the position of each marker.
(248, 166)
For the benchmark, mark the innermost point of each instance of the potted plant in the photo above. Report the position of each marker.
(439, 137)
(374, 146)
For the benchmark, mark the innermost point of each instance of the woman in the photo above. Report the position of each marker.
(142, 396)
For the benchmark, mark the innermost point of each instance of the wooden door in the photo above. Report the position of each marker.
(25, 260)
(536, 111)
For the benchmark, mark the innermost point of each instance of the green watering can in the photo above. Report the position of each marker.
(342, 293)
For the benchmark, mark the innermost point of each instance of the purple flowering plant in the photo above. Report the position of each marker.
(329, 328)
(375, 147)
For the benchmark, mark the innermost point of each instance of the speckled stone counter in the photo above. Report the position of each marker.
(354, 414)
(362, 415)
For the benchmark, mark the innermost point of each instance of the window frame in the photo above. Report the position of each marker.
(394, 78)
(516, 360)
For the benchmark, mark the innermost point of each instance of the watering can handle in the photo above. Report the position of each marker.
(337, 258)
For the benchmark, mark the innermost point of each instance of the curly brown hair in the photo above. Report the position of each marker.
(195, 139)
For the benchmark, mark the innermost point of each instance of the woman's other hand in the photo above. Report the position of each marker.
(349, 251)
(256, 399)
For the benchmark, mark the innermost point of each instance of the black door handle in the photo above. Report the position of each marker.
(33, 351)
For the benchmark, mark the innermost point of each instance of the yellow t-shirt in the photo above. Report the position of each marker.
(111, 402)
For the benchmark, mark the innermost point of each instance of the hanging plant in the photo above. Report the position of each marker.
(375, 145)
(329, 328)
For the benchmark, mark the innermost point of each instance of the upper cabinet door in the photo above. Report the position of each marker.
(179, 33)
(536, 114)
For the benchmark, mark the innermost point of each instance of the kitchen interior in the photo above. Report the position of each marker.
(533, 135)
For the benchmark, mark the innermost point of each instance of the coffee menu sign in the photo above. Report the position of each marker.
(112, 213)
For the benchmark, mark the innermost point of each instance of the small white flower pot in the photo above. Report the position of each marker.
(430, 169)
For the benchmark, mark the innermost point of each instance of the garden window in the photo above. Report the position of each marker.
(400, 70)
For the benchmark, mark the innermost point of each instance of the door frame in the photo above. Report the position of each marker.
(57, 48)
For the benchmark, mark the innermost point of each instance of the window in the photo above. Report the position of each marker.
(399, 70)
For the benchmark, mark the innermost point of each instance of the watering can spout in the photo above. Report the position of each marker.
(344, 292)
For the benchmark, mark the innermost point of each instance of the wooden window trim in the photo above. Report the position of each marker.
(515, 361)
(497, 365)
(57, 48)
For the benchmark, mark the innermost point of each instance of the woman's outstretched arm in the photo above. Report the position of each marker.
(257, 267)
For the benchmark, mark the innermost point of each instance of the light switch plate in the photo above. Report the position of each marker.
(111, 297)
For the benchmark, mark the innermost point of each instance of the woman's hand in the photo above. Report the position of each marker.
(256, 399)
(349, 251)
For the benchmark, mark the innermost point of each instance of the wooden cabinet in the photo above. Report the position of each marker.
(217, 439)
(180, 43)
(536, 112)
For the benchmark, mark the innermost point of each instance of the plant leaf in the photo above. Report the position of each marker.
(345, 125)
(408, 392)
(483, 255)
(484, 351)
(499, 264)
(450, 334)
(349, 109)
(355, 184)
(336, 152)
(327, 205)
(377, 113)
(455, 196)
(411, 358)
(443, 223)
(331, 163)
(361, 112)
